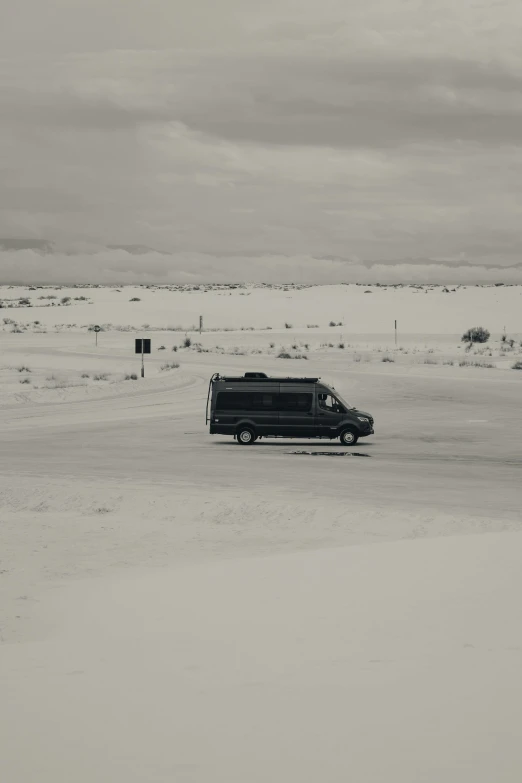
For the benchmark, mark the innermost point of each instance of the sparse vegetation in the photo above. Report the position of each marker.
(187, 342)
(468, 363)
(288, 326)
(341, 345)
(477, 334)
(286, 355)
(25, 380)
(174, 347)
(131, 377)
(429, 360)
(85, 375)
(23, 368)
(161, 348)
(169, 366)
(65, 300)
(312, 326)
(135, 299)
(272, 345)
(516, 365)
(24, 302)
(387, 359)
(101, 376)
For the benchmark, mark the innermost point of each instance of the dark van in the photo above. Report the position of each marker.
(257, 406)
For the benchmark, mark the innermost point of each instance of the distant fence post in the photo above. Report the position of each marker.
(396, 333)
(200, 324)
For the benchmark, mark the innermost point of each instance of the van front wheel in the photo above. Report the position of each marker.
(349, 437)
(245, 436)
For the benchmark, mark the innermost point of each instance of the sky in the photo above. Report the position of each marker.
(166, 140)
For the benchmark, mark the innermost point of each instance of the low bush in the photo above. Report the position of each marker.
(25, 380)
(187, 342)
(477, 334)
(285, 355)
(517, 366)
(169, 366)
(387, 359)
(102, 376)
(288, 326)
(161, 348)
(23, 368)
(341, 345)
(467, 363)
(135, 299)
(131, 377)
(174, 347)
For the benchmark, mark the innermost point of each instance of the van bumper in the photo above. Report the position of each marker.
(222, 429)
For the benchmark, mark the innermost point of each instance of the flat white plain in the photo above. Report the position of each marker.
(178, 607)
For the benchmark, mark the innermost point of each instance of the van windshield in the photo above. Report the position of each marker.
(343, 401)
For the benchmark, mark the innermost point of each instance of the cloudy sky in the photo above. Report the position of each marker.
(237, 139)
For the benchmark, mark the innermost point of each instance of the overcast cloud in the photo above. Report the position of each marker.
(261, 141)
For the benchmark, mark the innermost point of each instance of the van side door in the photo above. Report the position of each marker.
(296, 411)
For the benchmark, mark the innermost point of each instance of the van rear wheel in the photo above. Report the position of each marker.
(245, 436)
(349, 437)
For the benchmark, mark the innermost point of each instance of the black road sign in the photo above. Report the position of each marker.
(97, 328)
(142, 346)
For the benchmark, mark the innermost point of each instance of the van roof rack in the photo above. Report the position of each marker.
(258, 378)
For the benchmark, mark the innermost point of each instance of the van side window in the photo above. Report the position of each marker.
(329, 403)
(263, 402)
(288, 401)
(245, 401)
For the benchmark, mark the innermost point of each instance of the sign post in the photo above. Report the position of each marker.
(200, 324)
(395, 333)
(143, 347)
(96, 330)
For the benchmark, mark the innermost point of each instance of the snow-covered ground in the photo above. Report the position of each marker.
(176, 607)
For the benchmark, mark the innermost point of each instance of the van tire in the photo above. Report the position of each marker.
(349, 437)
(245, 436)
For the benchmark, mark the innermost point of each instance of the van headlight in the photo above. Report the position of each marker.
(363, 418)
